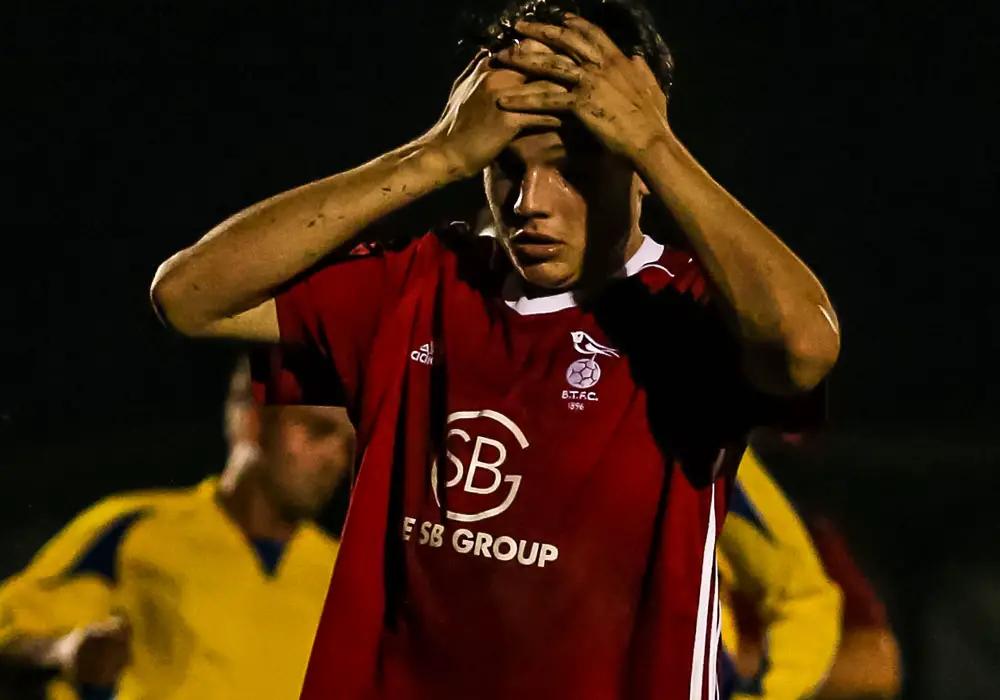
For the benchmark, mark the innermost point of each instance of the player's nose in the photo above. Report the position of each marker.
(532, 195)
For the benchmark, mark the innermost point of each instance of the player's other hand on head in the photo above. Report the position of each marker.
(473, 130)
(615, 96)
(97, 654)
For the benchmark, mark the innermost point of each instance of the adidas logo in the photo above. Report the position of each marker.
(424, 354)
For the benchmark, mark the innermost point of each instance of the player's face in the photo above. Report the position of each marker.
(564, 207)
(306, 451)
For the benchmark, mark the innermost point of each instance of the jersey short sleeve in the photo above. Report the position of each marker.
(69, 582)
(715, 356)
(327, 319)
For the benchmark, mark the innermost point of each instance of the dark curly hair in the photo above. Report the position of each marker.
(629, 23)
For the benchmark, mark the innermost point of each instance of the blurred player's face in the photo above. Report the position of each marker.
(306, 451)
(564, 206)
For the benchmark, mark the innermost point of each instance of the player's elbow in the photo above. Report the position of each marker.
(175, 299)
(796, 360)
(812, 351)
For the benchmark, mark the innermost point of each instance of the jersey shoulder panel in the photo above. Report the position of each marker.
(91, 543)
(475, 261)
(676, 269)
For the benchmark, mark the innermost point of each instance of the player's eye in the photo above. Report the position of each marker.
(574, 171)
(509, 166)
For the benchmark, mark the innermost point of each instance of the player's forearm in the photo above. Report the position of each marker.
(776, 306)
(240, 263)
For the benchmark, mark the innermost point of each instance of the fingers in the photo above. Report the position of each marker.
(544, 65)
(564, 39)
(542, 97)
(533, 87)
(592, 34)
(543, 101)
(527, 121)
(536, 103)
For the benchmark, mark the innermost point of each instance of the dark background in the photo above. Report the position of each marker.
(862, 133)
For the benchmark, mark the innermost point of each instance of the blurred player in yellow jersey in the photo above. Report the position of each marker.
(768, 567)
(212, 592)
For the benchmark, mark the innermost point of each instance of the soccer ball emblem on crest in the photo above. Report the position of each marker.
(583, 373)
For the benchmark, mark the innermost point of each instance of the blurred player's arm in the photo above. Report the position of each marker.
(224, 284)
(772, 558)
(868, 663)
(58, 613)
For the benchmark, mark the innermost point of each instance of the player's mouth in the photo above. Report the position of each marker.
(531, 246)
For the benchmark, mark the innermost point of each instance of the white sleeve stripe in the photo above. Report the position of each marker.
(700, 632)
(713, 649)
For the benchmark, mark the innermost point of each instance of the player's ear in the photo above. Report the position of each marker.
(641, 186)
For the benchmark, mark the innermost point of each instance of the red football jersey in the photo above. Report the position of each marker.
(542, 480)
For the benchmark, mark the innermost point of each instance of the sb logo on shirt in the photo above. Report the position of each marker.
(477, 447)
(479, 474)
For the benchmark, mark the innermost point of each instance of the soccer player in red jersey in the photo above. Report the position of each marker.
(550, 417)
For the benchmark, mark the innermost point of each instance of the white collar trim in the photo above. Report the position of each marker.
(513, 296)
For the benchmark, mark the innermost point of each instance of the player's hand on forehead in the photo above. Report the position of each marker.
(572, 52)
(615, 96)
(577, 38)
(474, 128)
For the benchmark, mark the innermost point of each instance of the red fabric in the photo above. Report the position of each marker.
(576, 558)
(862, 606)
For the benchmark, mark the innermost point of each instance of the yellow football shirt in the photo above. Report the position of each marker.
(766, 557)
(213, 614)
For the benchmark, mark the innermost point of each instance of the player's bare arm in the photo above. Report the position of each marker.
(774, 303)
(223, 285)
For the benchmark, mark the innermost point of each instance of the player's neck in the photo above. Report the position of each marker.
(250, 507)
(633, 242)
(256, 516)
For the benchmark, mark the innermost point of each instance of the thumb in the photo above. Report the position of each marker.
(478, 63)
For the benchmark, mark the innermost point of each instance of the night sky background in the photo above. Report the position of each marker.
(862, 133)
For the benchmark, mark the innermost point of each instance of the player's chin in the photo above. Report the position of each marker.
(552, 274)
(300, 509)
